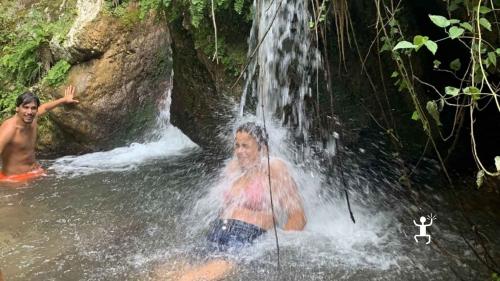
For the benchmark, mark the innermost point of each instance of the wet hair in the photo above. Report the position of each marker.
(27, 97)
(255, 131)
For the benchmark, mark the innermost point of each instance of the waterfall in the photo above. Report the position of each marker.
(278, 81)
(280, 74)
(164, 140)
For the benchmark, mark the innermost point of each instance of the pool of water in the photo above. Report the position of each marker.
(123, 220)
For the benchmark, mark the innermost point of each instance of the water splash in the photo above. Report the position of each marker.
(279, 78)
(164, 140)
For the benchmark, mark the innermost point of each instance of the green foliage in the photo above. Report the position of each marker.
(471, 29)
(23, 34)
(57, 74)
(21, 62)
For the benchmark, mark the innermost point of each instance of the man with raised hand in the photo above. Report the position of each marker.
(18, 135)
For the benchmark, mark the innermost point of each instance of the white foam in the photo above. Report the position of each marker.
(173, 142)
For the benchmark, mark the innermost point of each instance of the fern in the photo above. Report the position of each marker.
(57, 74)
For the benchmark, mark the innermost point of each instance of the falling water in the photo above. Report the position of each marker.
(280, 73)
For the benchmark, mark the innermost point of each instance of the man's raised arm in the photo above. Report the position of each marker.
(68, 98)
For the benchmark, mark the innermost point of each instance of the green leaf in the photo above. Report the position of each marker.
(432, 108)
(394, 74)
(431, 46)
(404, 45)
(419, 40)
(453, 21)
(452, 7)
(455, 65)
(497, 163)
(385, 47)
(311, 24)
(436, 63)
(455, 32)
(485, 23)
(492, 57)
(402, 86)
(473, 92)
(466, 25)
(415, 116)
(439, 20)
(479, 178)
(238, 6)
(484, 10)
(497, 51)
(452, 91)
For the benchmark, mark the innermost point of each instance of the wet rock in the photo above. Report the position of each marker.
(85, 39)
(198, 109)
(118, 87)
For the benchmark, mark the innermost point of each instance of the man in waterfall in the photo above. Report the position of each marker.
(18, 136)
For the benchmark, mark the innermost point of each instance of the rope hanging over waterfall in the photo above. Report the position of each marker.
(270, 189)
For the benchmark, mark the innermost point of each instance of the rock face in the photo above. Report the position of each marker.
(85, 39)
(198, 109)
(121, 74)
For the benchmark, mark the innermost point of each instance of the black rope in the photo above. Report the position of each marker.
(270, 190)
(344, 181)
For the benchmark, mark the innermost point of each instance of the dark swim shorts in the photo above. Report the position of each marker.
(227, 235)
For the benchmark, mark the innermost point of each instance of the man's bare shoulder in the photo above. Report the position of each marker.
(9, 124)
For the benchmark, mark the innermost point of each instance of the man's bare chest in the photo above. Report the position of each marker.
(24, 139)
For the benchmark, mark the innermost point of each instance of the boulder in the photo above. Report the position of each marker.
(119, 87)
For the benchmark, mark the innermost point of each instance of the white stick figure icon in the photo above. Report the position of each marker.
(423, 228)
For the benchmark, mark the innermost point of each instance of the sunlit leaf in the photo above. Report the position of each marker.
(415, 116)
(492, 57)
(497, 163)
(431, 46)
(485, 23)
(419, 40)
(473, 92)
(439, 20)
(466, 25)
(484, 10)
(456, 32)
(452, 91)
(432, 108)
(404, 45)
(479, 178)
(436, 63)
(394, 74)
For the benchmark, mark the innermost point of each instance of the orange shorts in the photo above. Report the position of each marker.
(38, 172)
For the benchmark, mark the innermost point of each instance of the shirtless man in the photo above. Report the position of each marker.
(18, 133)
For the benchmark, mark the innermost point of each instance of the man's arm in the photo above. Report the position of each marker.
(68, 98)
